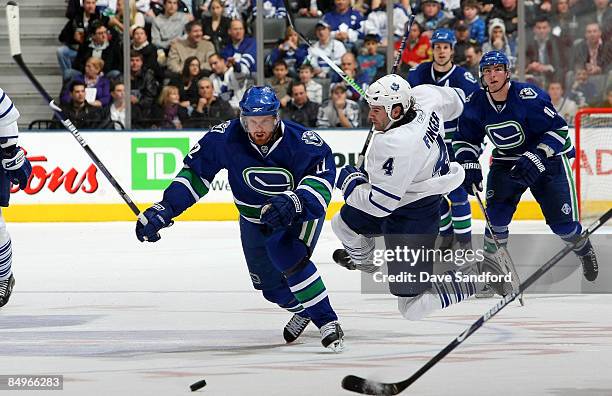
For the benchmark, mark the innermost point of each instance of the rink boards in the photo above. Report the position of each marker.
(66, 186)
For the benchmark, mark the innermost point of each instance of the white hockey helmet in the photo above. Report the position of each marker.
(388, 91)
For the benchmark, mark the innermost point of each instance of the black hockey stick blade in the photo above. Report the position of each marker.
(366, 387)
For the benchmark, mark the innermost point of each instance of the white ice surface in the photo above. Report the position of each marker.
(117, 317)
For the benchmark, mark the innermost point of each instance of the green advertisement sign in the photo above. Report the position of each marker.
(155, 161)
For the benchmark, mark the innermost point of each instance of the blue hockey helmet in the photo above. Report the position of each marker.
(494, 58)
(443, 35)
(259, 101)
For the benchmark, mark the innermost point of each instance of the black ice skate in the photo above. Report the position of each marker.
(590, 269)
(6, 288)
(295, 327)
(332, 336)
(341, 257)
(490, 265)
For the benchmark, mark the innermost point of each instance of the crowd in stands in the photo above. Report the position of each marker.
(191, 61)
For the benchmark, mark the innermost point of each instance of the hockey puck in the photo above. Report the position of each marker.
(197, 385)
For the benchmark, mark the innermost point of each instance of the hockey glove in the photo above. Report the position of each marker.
(529, 167)
(17, 166)
(281, 210)
(349, 178)
(473, 176)
(158, 216)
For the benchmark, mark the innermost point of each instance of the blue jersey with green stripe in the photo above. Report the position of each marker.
(525, 120)
(456, 77)
(299, 160)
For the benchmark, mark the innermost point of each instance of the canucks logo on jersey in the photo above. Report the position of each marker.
(268, 180)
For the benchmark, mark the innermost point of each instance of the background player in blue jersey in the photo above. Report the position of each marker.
(532, 147)
(281, 175)
(15, 169)
(456, 218)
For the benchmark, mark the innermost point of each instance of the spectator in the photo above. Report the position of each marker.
(474, 22)
(114, 114)
(603, 16)
(564, 24)
(348, 64)
(143, 85)
(418, 47)
(187, 82)
(271, 9)
(228, 84)
(76, 32)
(473, 53)
(193, 45)
(546, 60)
(116, 19)
(462, 34)
(97, 85)
(333, 48)
(566, 107)
(509, 15)
(167, 113)
(371, 62)
(309, 8)
(233, 9)
(209, 109)
(376, 22)
(240, 53)
(338, 112)
(593, 54)
(148, 51)
(583, 92)
(314, 90)
(607, 102)
(344, 23)
(498, 40)
(280, 82)
(290, 51)
(300, 109)
(99, 47)
(168, 26)
(82, 114)
(216, 26)
(432, 16)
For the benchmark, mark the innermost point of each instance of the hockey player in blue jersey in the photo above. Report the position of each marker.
(456, 218)
(532, 147)
(281, 175)
(15, 169)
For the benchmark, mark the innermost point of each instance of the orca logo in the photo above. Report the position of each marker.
(528, 93)
(268, 180)
(468, 76)
(311, 137)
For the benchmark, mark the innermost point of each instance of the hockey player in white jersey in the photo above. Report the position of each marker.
(398, 192)
(15, 169)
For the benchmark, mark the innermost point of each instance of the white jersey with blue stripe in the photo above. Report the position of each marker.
(8, 114)
(410, 162)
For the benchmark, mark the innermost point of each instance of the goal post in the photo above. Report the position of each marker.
(593, 165)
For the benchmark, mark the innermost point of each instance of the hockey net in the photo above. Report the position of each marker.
(593, 163)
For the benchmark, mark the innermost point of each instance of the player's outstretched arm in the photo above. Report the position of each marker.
(467, 140)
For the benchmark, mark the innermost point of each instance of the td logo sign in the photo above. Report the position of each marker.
(155, 161)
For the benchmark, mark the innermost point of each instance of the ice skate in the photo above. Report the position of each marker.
(6, 288)
(332, 336)
(295, 327)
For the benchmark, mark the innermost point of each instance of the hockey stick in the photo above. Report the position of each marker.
(500, 250)
(396, 63)
(12, 17)
(364, 386)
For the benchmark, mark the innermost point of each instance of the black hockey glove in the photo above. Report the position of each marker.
(529, 167)
(281, 210)
(473, 176)
(158, 216)
(16, 165)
